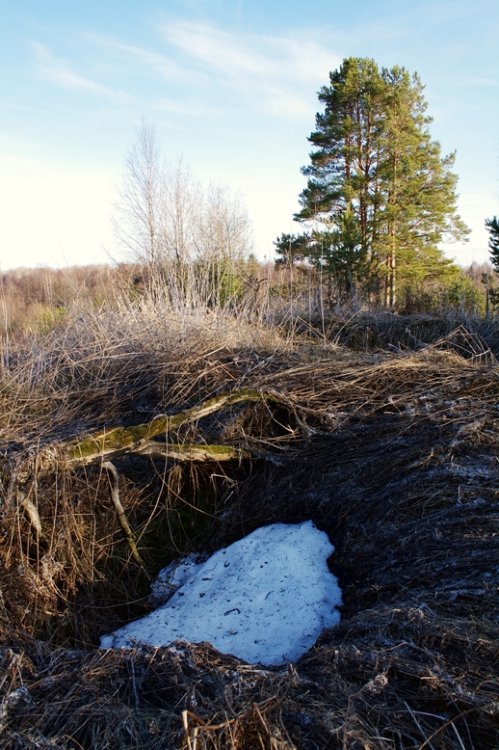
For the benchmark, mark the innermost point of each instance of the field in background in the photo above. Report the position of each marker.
(383, 428)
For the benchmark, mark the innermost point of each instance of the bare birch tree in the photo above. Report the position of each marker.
(191, 240)
(139, 224)
(223, 230)
(182, 200)
(222, 244)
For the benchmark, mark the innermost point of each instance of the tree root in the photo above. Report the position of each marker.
(115, 495)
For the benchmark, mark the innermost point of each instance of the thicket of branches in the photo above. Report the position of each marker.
(34, 301)
(191, 238)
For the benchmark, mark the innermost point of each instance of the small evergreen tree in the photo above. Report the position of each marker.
(338, 252)
(493, 227)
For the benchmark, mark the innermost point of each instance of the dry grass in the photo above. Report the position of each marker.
(393, 453)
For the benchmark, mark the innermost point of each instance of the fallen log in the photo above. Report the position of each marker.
(103, 446)
(109, 444)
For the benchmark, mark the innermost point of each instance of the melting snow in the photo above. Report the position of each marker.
(265, 599)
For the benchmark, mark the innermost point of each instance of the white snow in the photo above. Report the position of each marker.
(265, 599)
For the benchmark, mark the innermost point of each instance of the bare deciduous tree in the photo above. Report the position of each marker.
(141, 200)
(192, 238)
(223, 228)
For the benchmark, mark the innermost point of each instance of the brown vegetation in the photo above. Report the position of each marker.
(383, 430)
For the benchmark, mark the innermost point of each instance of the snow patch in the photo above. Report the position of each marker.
(171, 578)
(265, 599)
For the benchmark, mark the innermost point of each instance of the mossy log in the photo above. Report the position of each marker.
(192, 452)
(139, 439)
(104, 445)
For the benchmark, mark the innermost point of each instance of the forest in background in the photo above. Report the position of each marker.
(36, 300)
(380, 199)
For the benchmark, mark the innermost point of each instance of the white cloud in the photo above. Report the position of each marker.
(281, 72)
(305, 58)
(284, 70)
(134, 53)
(58, 71)
(217, 48)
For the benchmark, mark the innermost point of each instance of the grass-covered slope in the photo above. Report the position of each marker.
(393, 452)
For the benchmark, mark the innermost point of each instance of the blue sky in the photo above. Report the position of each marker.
(232, 88)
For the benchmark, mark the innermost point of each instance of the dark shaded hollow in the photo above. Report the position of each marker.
(367, 488)
(414, 538)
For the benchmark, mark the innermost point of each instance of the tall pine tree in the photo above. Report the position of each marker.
(376, 173)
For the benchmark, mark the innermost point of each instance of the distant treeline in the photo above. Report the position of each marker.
(35, 300)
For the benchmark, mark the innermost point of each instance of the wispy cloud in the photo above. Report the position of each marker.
(159, 63)
(58, 71)
(221, 50)
(285, 70)
(145, 62)
(200, 63)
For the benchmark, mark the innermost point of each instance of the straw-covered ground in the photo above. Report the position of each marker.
(393, 452)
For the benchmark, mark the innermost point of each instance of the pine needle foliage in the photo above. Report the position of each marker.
(380, 196)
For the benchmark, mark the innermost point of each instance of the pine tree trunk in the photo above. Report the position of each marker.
(392, 281)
